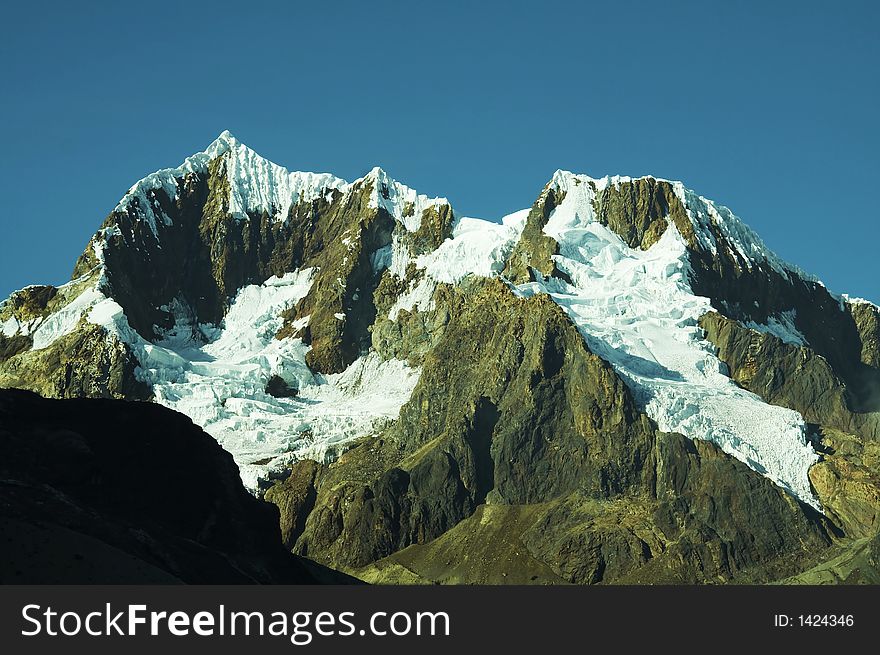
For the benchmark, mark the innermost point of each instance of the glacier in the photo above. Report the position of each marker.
(217, 376)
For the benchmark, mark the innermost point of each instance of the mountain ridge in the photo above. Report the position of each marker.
(295, 316)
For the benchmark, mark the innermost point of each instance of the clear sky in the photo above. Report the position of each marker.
(767, 107)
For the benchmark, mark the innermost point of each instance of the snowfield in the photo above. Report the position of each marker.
(221, 385)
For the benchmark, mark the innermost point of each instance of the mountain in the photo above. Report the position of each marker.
(621, 383)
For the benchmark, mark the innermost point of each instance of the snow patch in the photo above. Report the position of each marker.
(419, 296)
(782, 327)
(11, 327)
(477, 247)
(65, 320)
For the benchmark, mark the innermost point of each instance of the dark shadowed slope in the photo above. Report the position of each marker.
(105, 491)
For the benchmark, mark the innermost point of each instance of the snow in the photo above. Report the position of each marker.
(217, 375)
(702, 212)
(166, 179)
(782, 327)
(744, 240)
(395, 257)
(382, 258)
(221, 385)
(477, 247)
(65, 320)
(419, 296)
(406, 207)
(636, 310)
(853, 300)
(11, 327)
(255, 184)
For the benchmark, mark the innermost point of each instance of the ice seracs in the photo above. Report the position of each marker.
(477, 247)
(222, 385)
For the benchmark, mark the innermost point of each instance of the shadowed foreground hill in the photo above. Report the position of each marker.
(104, 491)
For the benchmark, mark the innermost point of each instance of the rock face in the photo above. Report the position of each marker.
(848, 481)
(511, 431)
(543, 438)
(101, 491)
(534, 251)
(639, 211)
(85, 362)
(789, 375)
(619, 384)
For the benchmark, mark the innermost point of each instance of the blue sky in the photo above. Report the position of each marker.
(771, 110)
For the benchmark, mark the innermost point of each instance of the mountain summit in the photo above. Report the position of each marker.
(619, 383)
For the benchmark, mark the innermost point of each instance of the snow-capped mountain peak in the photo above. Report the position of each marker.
(622, 339)
(714, 225)
(636, 308)
(255, 184)
(232, 284)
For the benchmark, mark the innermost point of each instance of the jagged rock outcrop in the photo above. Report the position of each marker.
(340, 243)
(86, 362)
(866, 317)
(204, 254)
(639, 211)
(534, 250)
(826, 323)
